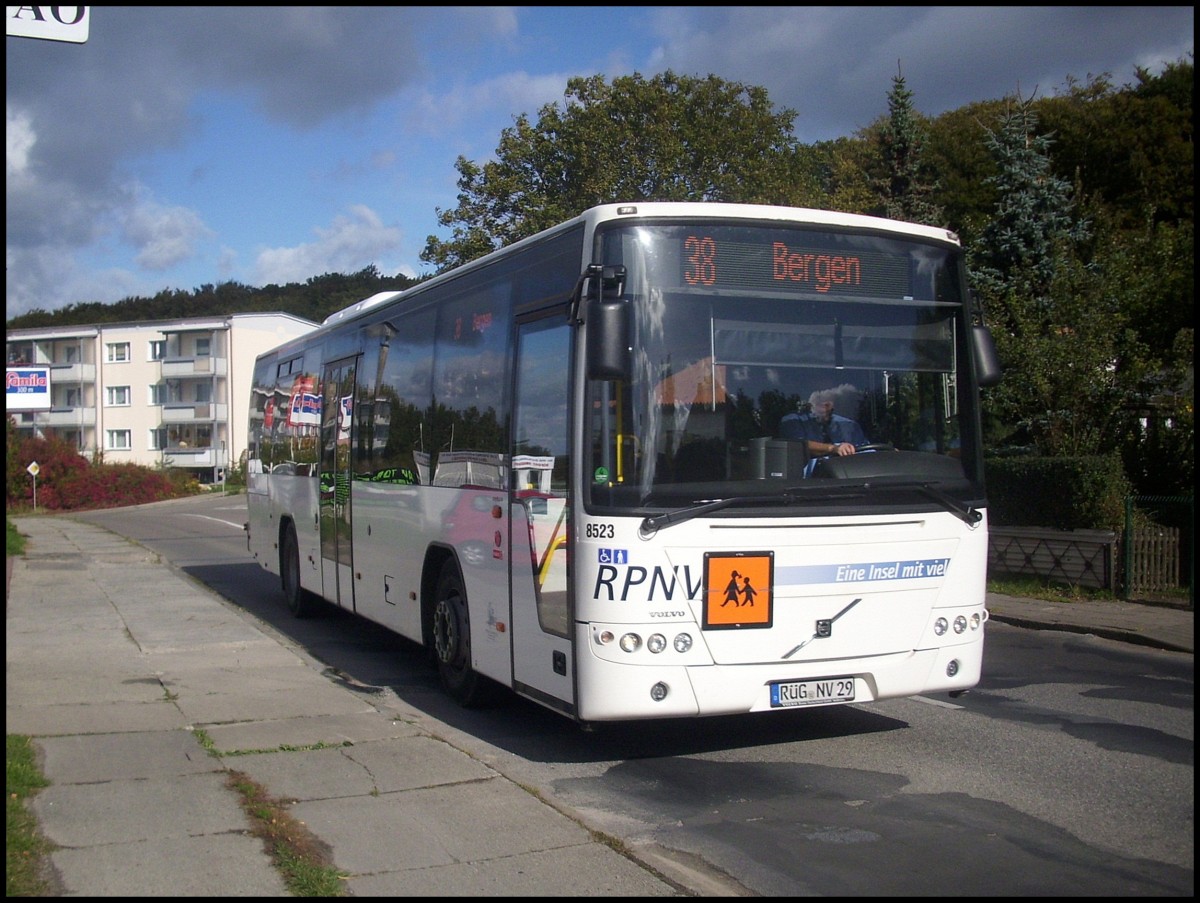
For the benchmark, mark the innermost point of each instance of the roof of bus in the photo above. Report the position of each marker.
(800, 215)
(593, 216)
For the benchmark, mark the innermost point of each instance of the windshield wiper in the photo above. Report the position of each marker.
(652, 525)
(968, 514)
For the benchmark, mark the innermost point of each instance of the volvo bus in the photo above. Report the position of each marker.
(561, 469)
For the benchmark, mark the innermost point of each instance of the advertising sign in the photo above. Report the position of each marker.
(50, 23)
(26, 388)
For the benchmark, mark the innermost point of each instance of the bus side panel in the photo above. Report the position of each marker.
(391, 534)
(468, 520)
(296, 497)
(259, 540)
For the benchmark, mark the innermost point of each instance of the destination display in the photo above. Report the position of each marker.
(785, 261)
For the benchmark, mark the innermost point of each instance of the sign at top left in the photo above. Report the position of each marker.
(51, 23)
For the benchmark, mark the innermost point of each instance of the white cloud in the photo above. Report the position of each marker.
(349, 244)
(164, 236)
(19, 139)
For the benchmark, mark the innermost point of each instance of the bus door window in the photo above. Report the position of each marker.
(540, 461)
(337, 428)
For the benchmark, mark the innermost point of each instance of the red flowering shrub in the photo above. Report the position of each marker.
(66, 481)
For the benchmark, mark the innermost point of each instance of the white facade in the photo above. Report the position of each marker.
(172, 393)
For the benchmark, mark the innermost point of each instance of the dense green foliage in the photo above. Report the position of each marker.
(314, 300)
(1076, 210)
(1084, 493)
(668, 138)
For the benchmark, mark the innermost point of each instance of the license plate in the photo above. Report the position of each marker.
(812, 692)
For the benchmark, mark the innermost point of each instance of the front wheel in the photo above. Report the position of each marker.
(452, 641)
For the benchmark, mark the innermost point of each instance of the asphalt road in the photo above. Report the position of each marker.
(1069, 770)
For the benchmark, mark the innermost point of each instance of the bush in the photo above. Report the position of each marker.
(1082, 493)
(67, 481)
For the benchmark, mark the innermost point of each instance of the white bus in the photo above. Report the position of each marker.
(561, 467)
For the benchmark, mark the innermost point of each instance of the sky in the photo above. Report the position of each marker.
(187, 146)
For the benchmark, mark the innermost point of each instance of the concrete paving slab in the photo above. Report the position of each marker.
(210, 866)
(179, 806)
(333, 730)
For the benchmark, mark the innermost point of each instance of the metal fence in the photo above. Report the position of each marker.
(1074, 557)
(1152, 559)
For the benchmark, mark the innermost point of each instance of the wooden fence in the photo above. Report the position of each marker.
(1152, 560)
(1145, 562)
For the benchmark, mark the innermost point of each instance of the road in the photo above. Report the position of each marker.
(1068, 771)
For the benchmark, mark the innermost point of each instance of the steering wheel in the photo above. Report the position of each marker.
(875, 446)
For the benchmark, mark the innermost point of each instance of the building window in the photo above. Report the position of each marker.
(20, 352)
(158, 439)
(117, 440)
(203, 393)
(203, 347)
(158, 393)
(73, 397)
(158, 349)
(118, 396)
(117, 352)
(71, 354)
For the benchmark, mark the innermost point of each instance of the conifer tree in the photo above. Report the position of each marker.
(908, 186)
(1057, 332)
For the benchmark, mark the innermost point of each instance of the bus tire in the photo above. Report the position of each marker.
(452, 641)
(300, 602)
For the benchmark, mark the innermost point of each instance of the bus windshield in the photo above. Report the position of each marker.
(746, 337)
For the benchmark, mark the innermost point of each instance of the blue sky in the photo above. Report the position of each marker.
(182, 146)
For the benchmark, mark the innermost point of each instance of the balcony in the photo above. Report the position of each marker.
(65, 417)
(183, 367)
(200, 412)
(72, 373)
(178, 456)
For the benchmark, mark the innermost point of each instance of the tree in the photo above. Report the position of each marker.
(1133, 147)
(667, 138)
(1055, 328)
(908, 185)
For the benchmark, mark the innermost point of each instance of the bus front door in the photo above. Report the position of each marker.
(541, 595)
(337, 427)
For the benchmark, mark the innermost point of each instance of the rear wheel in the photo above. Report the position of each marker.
(452, 641)
(300, 602)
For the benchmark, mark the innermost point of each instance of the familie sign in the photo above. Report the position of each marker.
(26, 388)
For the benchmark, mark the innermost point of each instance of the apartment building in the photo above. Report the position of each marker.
(172, 393)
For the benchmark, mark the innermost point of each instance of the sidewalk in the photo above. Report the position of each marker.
(114, 661)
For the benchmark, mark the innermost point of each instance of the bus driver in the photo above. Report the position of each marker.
(826, 433)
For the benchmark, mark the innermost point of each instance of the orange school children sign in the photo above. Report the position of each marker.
(738, 589)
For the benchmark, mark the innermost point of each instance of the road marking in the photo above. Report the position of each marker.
(940, 703)
(217, 519)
